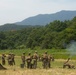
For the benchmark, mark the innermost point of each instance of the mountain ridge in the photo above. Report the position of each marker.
(40, 20)
(43, 19)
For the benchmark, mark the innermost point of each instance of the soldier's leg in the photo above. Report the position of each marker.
(35, 65)
(14, 62)
(43, 64)
(30, 65)
(46, 64)
(3, 62)
(8, 62)
(11, 63)
(27, 65)
(49, 64)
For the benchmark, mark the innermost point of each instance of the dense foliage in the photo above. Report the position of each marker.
(57, 34)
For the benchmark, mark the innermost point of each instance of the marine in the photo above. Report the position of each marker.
(23, 58)
(45, 60)
(3, 59)
(28, 60)
(34, 59)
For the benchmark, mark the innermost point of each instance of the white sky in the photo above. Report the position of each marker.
(17, 10)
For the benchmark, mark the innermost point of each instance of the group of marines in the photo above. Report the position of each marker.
(29, 61)
(32, 60)
(10, 59)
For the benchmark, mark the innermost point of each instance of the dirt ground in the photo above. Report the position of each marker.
(51, 71)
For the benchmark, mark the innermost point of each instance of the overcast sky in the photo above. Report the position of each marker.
(17, 10)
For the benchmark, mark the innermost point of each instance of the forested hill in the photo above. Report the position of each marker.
(57, 34)
(12, 27)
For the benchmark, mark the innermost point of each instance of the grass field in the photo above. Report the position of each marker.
(57, 53)
(56, 66)
(56, 69)
(53, 71)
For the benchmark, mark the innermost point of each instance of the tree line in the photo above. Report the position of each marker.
(56, 34)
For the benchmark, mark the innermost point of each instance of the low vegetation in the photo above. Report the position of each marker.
(57, 53)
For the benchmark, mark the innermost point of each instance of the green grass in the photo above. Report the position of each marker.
(57, 53)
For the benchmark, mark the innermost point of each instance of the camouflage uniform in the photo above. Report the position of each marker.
(35, 57)
(13, 56)
(49, 60)
(10, 60)
(29, 59)
(3, 59)
(45, 60)
(23, 58)
(66, 64)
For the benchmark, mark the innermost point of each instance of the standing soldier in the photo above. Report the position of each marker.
(9, 58)
(13, 60)
(3, 59)
(45, 60)
(35, 57)
(49, 60)
(23, 58)
(29, 59)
